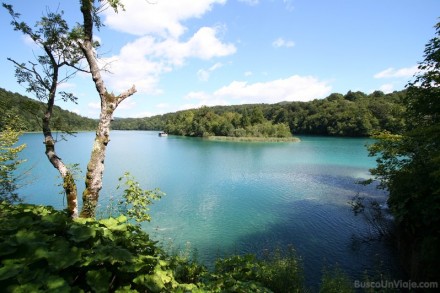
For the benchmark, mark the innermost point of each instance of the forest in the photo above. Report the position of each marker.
(353, 114)
(30, 112)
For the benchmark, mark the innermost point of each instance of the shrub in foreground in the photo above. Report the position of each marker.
(44, 250)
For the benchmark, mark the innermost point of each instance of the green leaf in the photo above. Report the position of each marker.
(99, 280)
(81, 233)
(62, 255)
(25, 236)
(116, 254)
(25, 288)
(126, 289)
(164, 275)
(122, 219)
(57, 284)
(152, 282)
(109, 222)
(10, 269)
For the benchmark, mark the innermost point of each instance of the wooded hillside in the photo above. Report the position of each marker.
(31, 111)
(352, 114)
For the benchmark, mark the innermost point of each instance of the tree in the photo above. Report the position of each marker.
(9, 161)
(90, 10)
(257, 116)
(408, 167)
(65, 47)
(43, 79)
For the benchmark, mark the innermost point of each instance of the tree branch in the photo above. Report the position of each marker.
(126, 94)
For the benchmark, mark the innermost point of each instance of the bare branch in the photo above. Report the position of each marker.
(126, 94)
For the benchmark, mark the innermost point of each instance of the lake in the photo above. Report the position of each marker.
(236, 197)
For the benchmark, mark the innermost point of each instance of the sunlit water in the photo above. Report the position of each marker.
(236, 197)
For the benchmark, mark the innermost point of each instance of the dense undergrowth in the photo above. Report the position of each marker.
(43, 250)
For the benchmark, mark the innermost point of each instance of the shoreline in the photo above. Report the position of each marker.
(252, 139)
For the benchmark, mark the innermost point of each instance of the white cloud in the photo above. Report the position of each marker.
(161, 45)
(94, 105)
(280, 42)
(66, 86)
(142, 61)
(205, 45)
(126, 70)
(204, 74)
(27, 40)
(293, 88)
(162, 105)
(161, 17)
(203, 99)
(406, 72)
(387, 88)
(93, 109)
(248, 73)
(127, 104)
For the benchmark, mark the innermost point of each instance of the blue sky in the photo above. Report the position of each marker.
(188, 53)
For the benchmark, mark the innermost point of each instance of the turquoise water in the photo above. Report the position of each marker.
(236, 197)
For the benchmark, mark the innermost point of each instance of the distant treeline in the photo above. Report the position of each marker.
(31, 112)
(352, 114)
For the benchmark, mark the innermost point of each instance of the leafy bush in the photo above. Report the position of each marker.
(9, 159)
(44, 250)
(335, 281)
(276, 272)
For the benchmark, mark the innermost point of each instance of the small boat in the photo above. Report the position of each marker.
(162, 134)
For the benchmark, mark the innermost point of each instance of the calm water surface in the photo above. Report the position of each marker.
(228, 197)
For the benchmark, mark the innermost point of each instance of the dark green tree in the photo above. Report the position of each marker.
(408, 167)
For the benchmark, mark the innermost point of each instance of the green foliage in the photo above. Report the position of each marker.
(408, 167)
(30, 111)
(335, 281)
(136, 201)
(334, 115)
(353, 114)
(276, 272)
(44, 250)
(378, 218)
(75, 173)
(205, 122)
(52, 34)
(9, 161)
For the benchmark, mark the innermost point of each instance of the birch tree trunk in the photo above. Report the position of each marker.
(68, 180)
(109, 103)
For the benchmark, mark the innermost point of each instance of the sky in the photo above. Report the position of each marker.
(189, 53)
